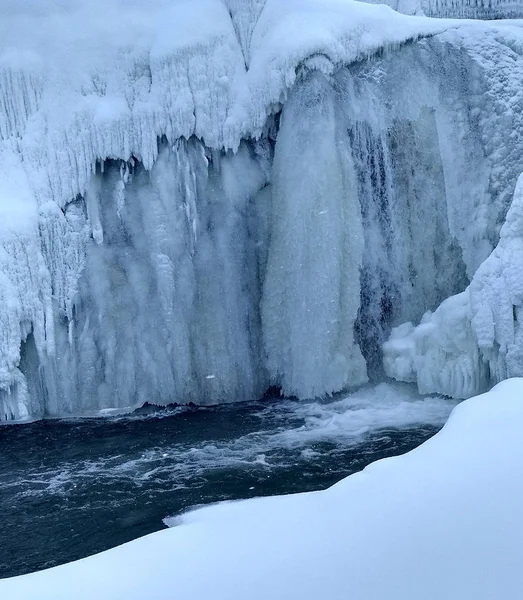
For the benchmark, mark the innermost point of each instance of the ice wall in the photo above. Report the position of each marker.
(164, 304)
(471, 341)
(458, 9)
(203, 199)
(474, 339)
(312, 285)
(245, 12)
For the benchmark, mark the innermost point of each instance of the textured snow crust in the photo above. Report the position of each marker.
(442, 521)
(200, 199)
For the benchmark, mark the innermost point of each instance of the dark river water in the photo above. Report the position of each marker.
(71, 488)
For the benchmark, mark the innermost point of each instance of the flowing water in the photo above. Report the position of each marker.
(70, 488)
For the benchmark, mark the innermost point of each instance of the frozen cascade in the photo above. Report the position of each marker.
(316, 246)
(176, 228)
(474, 339)
(471, 341)
(167, 294)
(402, 275)
(421, 154)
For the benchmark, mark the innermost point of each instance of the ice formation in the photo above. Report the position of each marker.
(473, 339)
(460, 9)
(203, 198)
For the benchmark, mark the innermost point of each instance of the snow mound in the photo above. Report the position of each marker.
(442, 521)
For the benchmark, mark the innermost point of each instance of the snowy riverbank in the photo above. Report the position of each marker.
(442, 521)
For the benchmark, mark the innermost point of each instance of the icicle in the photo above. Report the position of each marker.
(187, 182)
(92, 201)
(119, 194)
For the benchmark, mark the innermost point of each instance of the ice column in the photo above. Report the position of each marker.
(312, 288)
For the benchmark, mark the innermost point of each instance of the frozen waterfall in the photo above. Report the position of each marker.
(224, 197)
(473, 339)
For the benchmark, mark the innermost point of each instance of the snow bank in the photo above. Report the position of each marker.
(442, 521)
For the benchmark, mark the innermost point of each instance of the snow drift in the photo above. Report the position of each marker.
(199, 200)
(442, 521)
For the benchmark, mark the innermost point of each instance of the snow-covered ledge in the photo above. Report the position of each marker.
(443, 521)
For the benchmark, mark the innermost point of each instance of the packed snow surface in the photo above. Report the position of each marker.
(442, 521)
(201, 199)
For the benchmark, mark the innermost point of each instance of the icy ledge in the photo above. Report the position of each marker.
(474, 339)
(442, 521)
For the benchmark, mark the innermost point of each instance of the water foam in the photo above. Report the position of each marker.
(279, 433)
